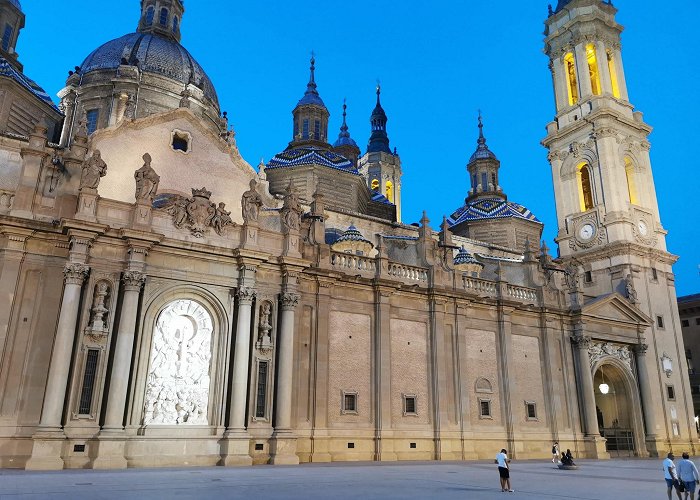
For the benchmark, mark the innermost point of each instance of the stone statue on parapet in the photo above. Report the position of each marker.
(130, 109)
(222, 218)
(147, 181)
(571, 275)
(251, 203)
(291, 210)
(93, 170)
(630, 290)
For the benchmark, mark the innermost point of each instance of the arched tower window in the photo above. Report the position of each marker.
(150, 13)
(613, 75)
(592, 59)
(163, 20)
(572, 83)
(176, 24)
(317, 130)
(631, 182)
(305, 131)
(390, 191)
(375, 184)
(585, 187)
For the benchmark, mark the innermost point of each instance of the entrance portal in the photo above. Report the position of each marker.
(614, 409)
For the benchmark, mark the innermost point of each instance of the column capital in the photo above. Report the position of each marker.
(289, 301)
(75, 273)
(245, 295)
(582, 342)
(640, 349)
(133, 280)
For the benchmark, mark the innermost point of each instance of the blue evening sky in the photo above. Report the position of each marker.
(439, 62)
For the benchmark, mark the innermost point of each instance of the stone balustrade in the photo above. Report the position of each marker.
(345, 262)
(522, 294)
(479, 286)
(407, 273)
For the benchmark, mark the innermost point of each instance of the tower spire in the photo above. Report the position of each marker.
(311, 88)
(344, 127)
(379, 140)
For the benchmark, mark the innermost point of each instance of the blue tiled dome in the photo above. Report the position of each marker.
(152, 54)
(490, 208)
(311, 156)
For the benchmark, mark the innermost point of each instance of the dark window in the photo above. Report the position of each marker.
(150, 13)
(485, 408)
(484, 181)
(163, 20)
(697, 321)
(88, 382)
(296, 129)
(588, 277)
(654, 274)
(350, 403)
(261, 395)
(685, 323)
(317, 130)
(531, 411)
(660, 321)
(176, 24)
(671, 392)
(7, 37)
(688, 354)
(92, 117)
(305, 131)
(409, 405)
(180, 143)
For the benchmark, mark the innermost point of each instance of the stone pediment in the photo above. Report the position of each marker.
(615, 308)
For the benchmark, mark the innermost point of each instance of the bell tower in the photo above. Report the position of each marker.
(608, 218)
(162, 17)
(11, 22)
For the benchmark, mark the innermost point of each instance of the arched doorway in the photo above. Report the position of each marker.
(616, 409)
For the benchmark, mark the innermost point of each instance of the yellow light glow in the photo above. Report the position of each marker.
(631, 183)
(593, 68)
(572, 84)
(390, 191)
(375, 185)
(613, 76)
(585, 192)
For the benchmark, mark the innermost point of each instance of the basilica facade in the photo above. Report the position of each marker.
(165, 303)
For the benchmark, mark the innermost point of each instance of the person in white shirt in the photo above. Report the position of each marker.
(504, 470)
(688, 473)
(671, 476)
(555, 452)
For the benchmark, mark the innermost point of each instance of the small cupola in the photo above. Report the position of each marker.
(483, 169)
(345, 145)
(352, 242)
(11, 22)
(379, 140)
(310, 116)
(162, 17)
(466, 263)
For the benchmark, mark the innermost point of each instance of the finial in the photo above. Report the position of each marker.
(311, 87)
(379, 91)
(344, 127)
(482, 139)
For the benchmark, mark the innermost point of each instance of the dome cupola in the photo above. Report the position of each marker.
(161, 17)
(310, 116)
(379, 140)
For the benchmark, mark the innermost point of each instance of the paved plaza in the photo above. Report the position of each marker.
(618, 479)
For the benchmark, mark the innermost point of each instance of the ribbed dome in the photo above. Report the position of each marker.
(152, 54)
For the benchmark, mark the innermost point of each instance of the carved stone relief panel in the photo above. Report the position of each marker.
(600, 350)
(179, 375)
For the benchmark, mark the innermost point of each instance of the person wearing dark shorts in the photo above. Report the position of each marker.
(504, 470)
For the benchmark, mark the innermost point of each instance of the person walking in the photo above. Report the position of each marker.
(504, 470)
(688, 473)
(555, 452)
(671, 476)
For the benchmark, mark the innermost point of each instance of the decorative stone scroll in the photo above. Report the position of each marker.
(198, 213)
(179, 376)
(133, 280)
(289, 300)
(600, 350)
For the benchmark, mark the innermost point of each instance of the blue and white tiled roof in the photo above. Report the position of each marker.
(311, 156)
(464, 257)
(380, 198)
(9, 71)
(352, 234)
(490, 208)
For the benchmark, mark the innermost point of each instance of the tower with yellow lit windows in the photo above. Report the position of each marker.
(610, 230)
(379, 165)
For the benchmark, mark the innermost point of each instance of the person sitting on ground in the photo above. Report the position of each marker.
(567, 459)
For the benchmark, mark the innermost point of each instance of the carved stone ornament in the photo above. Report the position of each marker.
(667, 365)
(98, 328)
(179, 375)
(581, 341)
(572, 277)
(289, 300)
(291, 210)
(130, 108)
(601, 350)
(630, 290)
(75, 273)
(93, 170)
(133, 280)
(641, 349)
(198, 213)
(265, 328)
(587, 232)
(245, 294)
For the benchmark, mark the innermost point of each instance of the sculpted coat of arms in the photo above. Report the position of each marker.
(198, 213)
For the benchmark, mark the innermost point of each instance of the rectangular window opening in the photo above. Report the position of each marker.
(92, 117)
(660, 321)
(413, 446)
(349, 402)
(654, 274)
(410, 405)
(588, 277)
(351, 446)
(7, 37)
(88, 382)
(531, 410)
(261, 393)
(259, 447)
(671, 392)
(485, 408)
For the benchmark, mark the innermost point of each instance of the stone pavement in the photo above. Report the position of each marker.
(615, 479)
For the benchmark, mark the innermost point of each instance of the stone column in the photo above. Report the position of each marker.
(236, 446)
(603, 69)
(561, 83)
(48, 441)
(583, 74)
(111, 440)
(384, 442)
(284, 441)
(237, 420)
(595, 444)
(640, 356)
